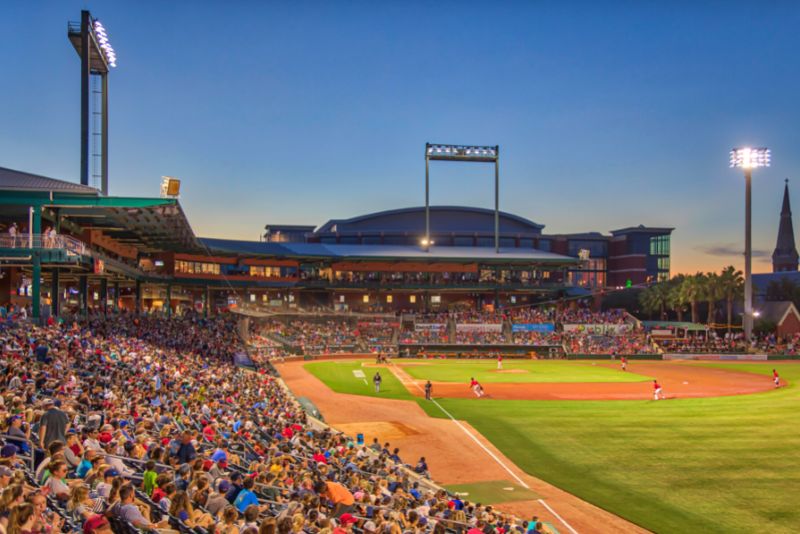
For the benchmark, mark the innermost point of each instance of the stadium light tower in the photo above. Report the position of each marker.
(748, 159)
(466, 154)
(90, 40)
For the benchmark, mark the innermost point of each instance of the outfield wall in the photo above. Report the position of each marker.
(716, 357)
(617, 357)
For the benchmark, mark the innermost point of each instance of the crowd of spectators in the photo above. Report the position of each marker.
(134, 422)
(621, 344)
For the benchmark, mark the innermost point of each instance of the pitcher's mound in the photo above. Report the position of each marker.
(511, 371)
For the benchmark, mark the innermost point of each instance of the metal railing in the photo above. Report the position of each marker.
(27, 241)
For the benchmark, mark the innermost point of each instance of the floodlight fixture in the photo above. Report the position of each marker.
(464, 154)
(750, 158)
(101, 37)
(487, 154)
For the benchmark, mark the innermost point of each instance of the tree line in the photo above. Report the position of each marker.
(685, 293)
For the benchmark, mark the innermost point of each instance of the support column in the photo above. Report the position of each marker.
(36, 287)
(55, 291)
(138, 297)
(104, 138)
(206, 302)
(83, 291)
(169, 300)
(86, 76)
(104, 296)
(116, 296)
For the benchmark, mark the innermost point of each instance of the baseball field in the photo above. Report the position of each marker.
(721, 463)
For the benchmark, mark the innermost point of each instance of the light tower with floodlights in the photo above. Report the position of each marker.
(748, 159)
(465, 154)
(91, 41)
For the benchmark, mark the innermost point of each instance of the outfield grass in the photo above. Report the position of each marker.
(725, 464)
(338, 375)
(485, 371)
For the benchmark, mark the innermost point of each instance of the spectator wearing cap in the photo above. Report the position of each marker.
(20, 432)
(346, 522)
(104, 488)
(8, 456)
(97, 524)
(53, 425)
(216, 501)
(5, 477)
(236, 487)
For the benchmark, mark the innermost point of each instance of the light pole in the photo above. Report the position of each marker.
(748, 159)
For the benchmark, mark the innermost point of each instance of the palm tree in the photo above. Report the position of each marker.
(692, 289)
(713, 291)
(654, 299)
(732, 289)
(675, 299)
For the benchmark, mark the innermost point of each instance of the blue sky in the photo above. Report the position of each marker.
(608, 114)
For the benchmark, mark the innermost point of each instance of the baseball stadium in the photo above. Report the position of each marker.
(428, 369)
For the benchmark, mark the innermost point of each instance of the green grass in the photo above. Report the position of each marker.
(726, 464)
(485, 371)
(493, 492)
(338, 375)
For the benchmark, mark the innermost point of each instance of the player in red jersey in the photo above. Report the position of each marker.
(657, 390)
(776, 378)
(499, 362)
(475, 387)
(624, 361)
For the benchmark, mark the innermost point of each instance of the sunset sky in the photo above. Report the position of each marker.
(608, 114)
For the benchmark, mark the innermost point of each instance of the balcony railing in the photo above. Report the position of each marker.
(72, 246)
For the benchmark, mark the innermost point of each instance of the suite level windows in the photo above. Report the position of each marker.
(196, 267)
(264, 272)
(412, 299)
(659, 245)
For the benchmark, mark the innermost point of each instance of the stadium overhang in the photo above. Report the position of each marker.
(396, 253)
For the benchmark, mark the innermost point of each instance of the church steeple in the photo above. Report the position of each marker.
(785, 257)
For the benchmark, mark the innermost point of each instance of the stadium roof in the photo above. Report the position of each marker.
(383, 252)
(13, 180)
(443, 219)
(642, 228)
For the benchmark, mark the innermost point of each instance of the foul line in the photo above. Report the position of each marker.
(558, 517)
(490, 453)
(476, 440)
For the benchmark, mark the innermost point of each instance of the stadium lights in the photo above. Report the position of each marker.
(748, 159)
(461, 153)
(104, 44)
(427, 242)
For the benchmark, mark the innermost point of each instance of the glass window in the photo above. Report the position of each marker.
(462, 241)
(371, 240)
(544, 245)
(486, 241)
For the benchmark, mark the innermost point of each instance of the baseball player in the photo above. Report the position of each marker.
(657, 390)
(499, 362)
(776, 378)
(624, 362)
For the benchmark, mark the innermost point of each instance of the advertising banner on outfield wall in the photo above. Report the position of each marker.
(612, 329)
(715, 357)
(482, 327)
(421, 327)
(533, 327)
